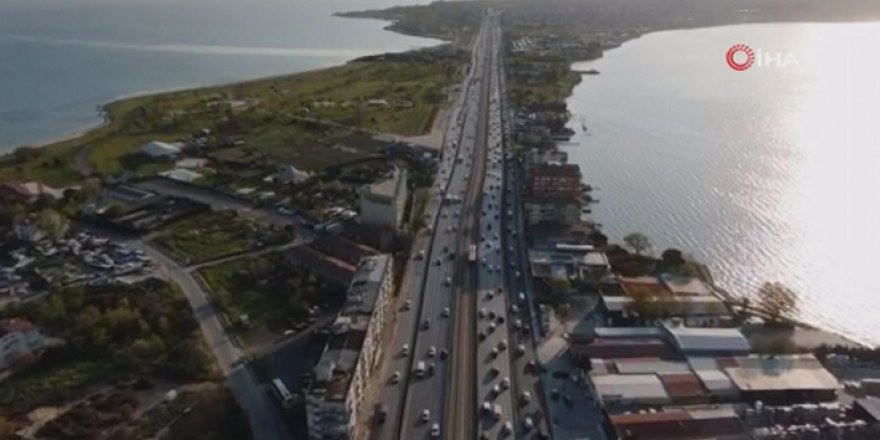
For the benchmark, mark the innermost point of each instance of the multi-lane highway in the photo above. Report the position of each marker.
(415, 373)
(457, 364)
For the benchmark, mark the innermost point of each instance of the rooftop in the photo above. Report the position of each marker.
(780, 372)
(714, 423)
(686, 286)
(703, 339)
(387, 189)
(631, 388)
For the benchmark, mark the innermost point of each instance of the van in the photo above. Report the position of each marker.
(420, 369)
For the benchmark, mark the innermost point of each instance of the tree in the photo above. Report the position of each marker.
(638, 242)
(672, 257)
(53, 224)
(777, 300)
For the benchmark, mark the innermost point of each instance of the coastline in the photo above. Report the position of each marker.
(104, 115)
(730, 299)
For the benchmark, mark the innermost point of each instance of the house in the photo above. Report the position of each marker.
(569, 261)
(382, 203)
(160, 150)
(29, 192)
(19, 339)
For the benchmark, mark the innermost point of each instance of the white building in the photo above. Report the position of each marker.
(160, 150)
(333, 403)
(19, 338)
(382, 203)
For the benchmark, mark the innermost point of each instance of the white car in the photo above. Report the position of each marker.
(426, 415)
(528, 424)
(507, 428)
(445, 312)
(482, 313)
(395, 378)
(435, 430)
(505, 383)
(447, 281)
(432, 351)
(502, 345)
(404, 351)
(526, 397)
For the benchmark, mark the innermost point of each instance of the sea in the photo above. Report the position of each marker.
(765, 174)
(60, 60)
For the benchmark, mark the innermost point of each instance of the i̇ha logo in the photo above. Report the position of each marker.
(740, 57)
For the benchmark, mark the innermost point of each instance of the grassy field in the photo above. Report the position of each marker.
(536, 81)
(276, 116)
(54, 384)
(212, 235)
(267, 290)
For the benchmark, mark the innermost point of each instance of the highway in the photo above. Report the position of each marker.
(424, 319)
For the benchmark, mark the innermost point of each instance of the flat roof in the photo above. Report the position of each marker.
(781, 373)
(708, 339)
(635, 388)
(682, 306)
(687, 286)
(626, 332)
(714, 423)
(650, 366)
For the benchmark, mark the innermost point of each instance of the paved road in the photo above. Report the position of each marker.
(429, 280)
(266, 423)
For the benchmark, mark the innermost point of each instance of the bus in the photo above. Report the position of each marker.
(282, 393)
(472, 253)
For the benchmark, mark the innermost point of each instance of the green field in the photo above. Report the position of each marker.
(212, 235)
(301, 117)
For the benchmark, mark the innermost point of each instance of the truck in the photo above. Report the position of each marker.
(472, 253)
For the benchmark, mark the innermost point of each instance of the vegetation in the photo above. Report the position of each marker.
(638, 242)
(540, 81)
(281, 117)
(212, 235)
(205, 413)
(778, 301)
(115, 329)
(268, 291)
(452, 21)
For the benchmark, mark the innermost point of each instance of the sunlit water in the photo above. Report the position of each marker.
(60, 59)
(767, 174)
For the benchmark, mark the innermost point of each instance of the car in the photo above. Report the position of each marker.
(566, 399)
(426, 324)
(514, 309)
(444, 353)
(520, 350)
(438, 261)
(491, 327)
(526, 397)
(395, 378)
(492, 314)
(486, 407)
(435, 430)
(432, 351)
(502, 345)
(505, 383)
(447, 281)
(482, 313)
(517, 324)
(518, 274)
(407, 305)
(431, 368)
(499, 319)
(381, 414)
(481, 336)
(445, 312)
(426, 415)
(496, 389)
(528, 424)
(420, 255)
(489, 295)
(493, 371)
(404, 351)
(507, 428)
(496, 411)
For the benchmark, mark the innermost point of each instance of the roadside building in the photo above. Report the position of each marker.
(19, 339)
(569, 261)
(620, 391)
(543, 156)
(160, 150)
(680, 423)
(781, 379)
(382, 203)
(706, 340)
(333, 404)
(554, 180)
(562, 210)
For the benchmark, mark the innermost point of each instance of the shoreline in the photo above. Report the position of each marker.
(728, 298)
(106, 119)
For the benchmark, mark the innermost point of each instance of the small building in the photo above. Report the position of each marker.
(706, 340)
(382, 203)
(686, 286)
(290, 174)
(160, 150)
(552, 209)
(29, 192)
(680, 423)
(19, 339)
(781, 379)
(620, 391)
(568, 261)
(181, 175)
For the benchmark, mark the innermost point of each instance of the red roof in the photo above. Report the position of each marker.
(676, 425)
(14, 325)
(682, 385)
(624, 348)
